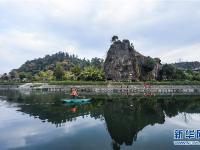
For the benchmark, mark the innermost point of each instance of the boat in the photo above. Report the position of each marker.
(76, 100)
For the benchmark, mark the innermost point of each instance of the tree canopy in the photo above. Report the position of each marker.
(114, 38)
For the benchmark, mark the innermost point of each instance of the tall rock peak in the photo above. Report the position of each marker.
(124, 63)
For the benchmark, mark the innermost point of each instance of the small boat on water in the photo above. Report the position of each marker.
(76, 100)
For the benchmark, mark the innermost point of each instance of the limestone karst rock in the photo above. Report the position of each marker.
(124, 63)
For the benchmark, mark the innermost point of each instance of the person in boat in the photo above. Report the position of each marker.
(74, 93)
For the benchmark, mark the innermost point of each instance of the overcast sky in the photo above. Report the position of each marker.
(169, 29)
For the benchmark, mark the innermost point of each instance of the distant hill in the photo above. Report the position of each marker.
(49, 63)
(195, 65)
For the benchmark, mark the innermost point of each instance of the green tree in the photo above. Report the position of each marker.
(168, 72)
(59, 72)
(196, 76)
(5, 76)
(84, 63)
(180, 75)
(46, 75)
(92, 74)
(97, 63)
(68, 75)
(149, 65)
(27, 75)
(76, 70)
(14, 74)
(36, 77)
(188, 76)
(114, 38)
(22, 75)
(189, 71)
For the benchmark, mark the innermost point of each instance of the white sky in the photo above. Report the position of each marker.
(29, 29)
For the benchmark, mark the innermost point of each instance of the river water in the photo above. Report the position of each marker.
(41, 121)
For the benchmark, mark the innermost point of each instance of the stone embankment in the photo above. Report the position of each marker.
(165, 89)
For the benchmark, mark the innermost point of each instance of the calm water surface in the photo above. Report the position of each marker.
(40, 121)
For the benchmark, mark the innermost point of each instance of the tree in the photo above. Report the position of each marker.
(68, 75)
(22, 75)
(168, 72)
(97, 63)
(45, 75)
(27, 75)
(180, 75)
(76, 70)
(14, 74)
(5, 76)
(188, 76)
(84, 63)
(196, 76)
(114, 38)
(149, 65)
(92, 74)
(59, 72)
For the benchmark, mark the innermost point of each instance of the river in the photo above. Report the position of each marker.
(41, 121)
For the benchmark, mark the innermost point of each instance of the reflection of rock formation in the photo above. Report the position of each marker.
(124, 119)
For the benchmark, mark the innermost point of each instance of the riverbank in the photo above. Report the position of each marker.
(185, 82)
(109, 88)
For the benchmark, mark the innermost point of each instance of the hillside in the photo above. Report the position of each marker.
(48, 64)
(188, 65)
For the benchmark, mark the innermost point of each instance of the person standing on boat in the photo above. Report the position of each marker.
(74, 92)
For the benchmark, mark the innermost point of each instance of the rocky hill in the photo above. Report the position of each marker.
(195, 65)
(124, 63)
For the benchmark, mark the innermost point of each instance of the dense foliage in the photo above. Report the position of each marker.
(92, 74)
(64, 67)
(170, 72)
(59, 66)
(149, 65)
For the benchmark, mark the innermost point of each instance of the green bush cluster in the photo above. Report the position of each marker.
(149, 65)
(170, 72)
(87, 74)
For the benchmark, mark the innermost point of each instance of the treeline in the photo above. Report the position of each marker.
(170, 72)
(62, 66)
(59, 66)
(195, 65)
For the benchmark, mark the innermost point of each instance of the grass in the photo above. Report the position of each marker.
(78, 83)
(185, 82)
(10, 83)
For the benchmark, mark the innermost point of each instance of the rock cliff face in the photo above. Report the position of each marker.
(124, 63)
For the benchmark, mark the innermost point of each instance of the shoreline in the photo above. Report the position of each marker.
(188, 89)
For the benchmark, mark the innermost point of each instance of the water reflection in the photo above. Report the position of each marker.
(124, 116)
